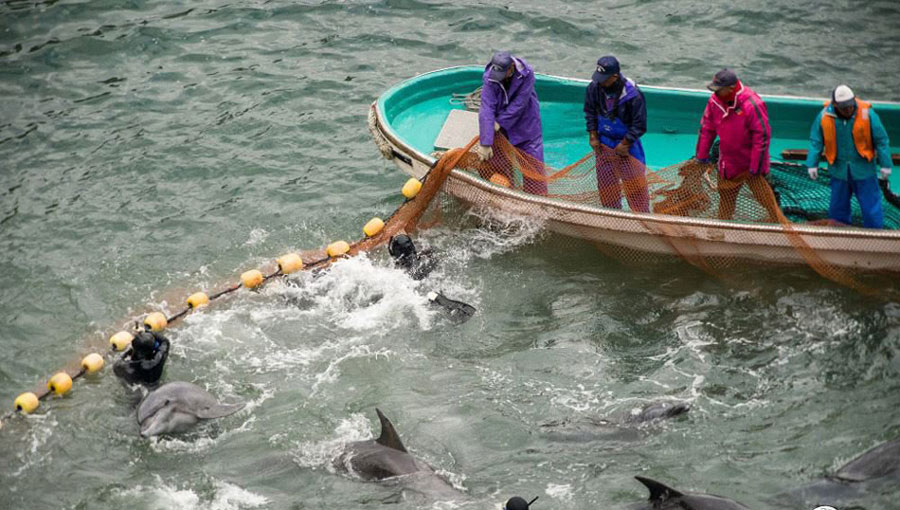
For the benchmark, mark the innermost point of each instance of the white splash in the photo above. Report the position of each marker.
(319, 454)
(501, 232)
(559, 491)
(257, 235)
(163, 496)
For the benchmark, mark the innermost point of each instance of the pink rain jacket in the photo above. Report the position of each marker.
(743, 131)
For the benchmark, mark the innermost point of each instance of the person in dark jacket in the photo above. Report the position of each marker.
(616, 117)
(509, 104)
(143, 363)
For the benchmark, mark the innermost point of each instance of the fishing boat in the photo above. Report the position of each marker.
(412, 121)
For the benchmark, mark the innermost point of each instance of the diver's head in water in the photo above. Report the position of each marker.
(144, 345)
(402, 249)
(517, 503)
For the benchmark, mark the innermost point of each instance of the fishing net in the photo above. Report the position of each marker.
(761, 213)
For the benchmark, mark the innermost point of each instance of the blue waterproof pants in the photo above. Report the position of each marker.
(867, 192)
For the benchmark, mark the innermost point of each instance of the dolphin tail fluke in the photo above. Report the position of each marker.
(389, 436)
(658, 491)
(218, 411)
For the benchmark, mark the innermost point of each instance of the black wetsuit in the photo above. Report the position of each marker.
(142, 365)
(418, 265)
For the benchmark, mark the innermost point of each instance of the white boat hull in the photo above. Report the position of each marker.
(851, 248)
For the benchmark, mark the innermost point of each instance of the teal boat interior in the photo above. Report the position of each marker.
(415, 110)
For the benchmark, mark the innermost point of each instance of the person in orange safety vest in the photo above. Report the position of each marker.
(858, 152)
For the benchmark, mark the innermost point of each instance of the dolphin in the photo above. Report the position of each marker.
(386, 460)
(616, 428)
(663, 497)
(177, 406)
(875, 471)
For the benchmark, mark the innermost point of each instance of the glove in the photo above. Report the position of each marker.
(813, 172)
(885, 173)
(496, 126)
(485, 152)
(594, 140)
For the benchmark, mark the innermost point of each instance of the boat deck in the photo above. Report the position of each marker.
(418, 113)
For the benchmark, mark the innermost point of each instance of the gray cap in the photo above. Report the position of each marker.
(500, 63)
(724, 78)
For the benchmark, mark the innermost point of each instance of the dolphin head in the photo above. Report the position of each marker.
(659, 411)
(177, 406)
(167, 419)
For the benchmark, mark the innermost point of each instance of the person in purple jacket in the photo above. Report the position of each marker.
(509, 104)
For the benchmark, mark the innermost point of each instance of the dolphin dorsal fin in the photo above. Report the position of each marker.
(389, 436)
(658, 491)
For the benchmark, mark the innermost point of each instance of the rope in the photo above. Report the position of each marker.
(472, 100)
(380, 141)
(431, 183)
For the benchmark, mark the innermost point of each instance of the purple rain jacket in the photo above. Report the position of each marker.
(516, 110)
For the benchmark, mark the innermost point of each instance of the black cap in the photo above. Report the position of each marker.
(401, 246)
(500, 63)
(144, 344)
(724, 78)
(517, 503)
(606, 67)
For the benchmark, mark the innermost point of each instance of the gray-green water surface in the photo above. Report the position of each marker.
(150, 149)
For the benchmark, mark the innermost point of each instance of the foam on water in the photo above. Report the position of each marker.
(500, 232)
(321, 454)
(562, 492)
(38, 434)
(167, 494)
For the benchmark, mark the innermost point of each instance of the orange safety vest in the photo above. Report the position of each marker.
(862, 133)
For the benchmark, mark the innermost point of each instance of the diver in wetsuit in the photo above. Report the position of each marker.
(143, 362)
(518, 503)
(418, 265)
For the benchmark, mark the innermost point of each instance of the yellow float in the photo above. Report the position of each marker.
(373, 227)
(121, 340)
(156, 321)
(290, 263)
(411, 188)
(252, 278)
(338, 248)
(92, 363)
(27, 402)
(197, 300)
(60, 383)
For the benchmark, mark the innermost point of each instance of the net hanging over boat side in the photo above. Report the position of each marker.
(603, 178)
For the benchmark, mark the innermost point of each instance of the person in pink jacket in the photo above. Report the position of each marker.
(739, 118)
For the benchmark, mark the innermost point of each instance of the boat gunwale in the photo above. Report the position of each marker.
(585, 81)
(427, 160)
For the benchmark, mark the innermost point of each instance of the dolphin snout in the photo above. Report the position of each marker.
(679, 408)
(152, 426)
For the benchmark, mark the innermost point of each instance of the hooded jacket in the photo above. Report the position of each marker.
(516, 109)
(743, 131)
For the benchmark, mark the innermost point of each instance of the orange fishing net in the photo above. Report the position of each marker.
(756, 227)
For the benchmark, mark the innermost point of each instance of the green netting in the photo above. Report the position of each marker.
(803, 199)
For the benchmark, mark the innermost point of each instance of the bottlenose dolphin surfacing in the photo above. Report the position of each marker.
(385, 457)
(386, 460)
(663, 497)
(872, 472)
(178, 406)
(629, 427)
